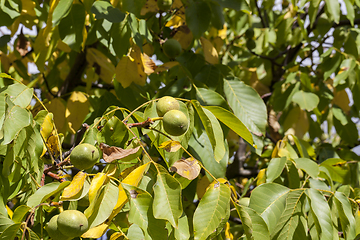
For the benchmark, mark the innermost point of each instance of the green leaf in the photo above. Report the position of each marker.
(120, 34)
(211, 210)
(292, 224)
(213, 130)
(5, 222)
(322, 212)
(105, 204)
(71, 27)
(333, 9)
(135, 232)
(308, 165)
(275, 168)
(230, 120)
(141, 212)
(61, 10)
(338, 169)
(348, 133)
(132, 6)
(19, 94)
(346, 216)
(208, 97)
(10, 232)
(167, 197)
(254, 225)
(247, 105)
(104, 10)
(350, 11)
(269, 201)
(306, 100)
(198, 17)
(115, 132)
(182, 232)
(200, 148)
(45, 192)
(20, 213)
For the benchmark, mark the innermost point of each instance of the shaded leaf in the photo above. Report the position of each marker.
(188, 168)
(198, 17)
(104, 10)
(77, 108)
(10, 232)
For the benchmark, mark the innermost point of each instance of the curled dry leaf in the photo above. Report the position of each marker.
(170, 146)
(116, 153)
(188, 168)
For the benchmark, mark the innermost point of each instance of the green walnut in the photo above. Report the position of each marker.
(72, 223)
(164, 5)
(172, 48)
(166, 104)
(84, 156)
(53, 231)
(175, 122)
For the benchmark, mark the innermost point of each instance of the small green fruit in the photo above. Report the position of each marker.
(175, 122)
(166, 104)
(172, 48)
(53, 231)
(84, 156)
(72, 223)
(164, 5)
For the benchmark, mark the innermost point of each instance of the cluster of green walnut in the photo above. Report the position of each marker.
(175, 121)
(67, 225)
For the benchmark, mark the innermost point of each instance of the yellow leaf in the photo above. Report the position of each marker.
(184, 36)
(9, 211)
(132, 179)
(149, 6)
(53, 145)
(341, 99)
(149, 65)
(96, 232)
(228, 234)
(75, 186)
(116, 235)
(166, 66)
(127, 72)
(94, 191)
(57, 107)
(176, 21)
(107, 69)
(170, 146)
(261, 177)
(201, 186)
(210, 53)
(47, 126)
(63, 46)
(28, 7)
(218, 43)
(76, 110)
(188, 168)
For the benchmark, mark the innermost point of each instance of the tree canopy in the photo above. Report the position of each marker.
(179, 119)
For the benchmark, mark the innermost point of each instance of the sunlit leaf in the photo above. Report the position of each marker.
(45, 192)
(167, 197)
(94, 191)
(20, 213)
(76, 110)
(308, 165)
(188, 168)
(306, 100)
(107, 69)
(75, 186)
(170, 146)
(210, 53)
(211, 210)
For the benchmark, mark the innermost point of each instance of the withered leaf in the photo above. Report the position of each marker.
(116, 153)
(188, 168)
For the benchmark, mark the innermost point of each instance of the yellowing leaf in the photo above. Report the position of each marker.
(166, 66)
(97, 231)
(188, 168)
(176, 21)
(53, 145)
(57, 107)
(75, 186)
(132, 179)
(107, 69)
(170, 146)
(149, 6)
(296, 122)
(149, 65)
(184, 36)
(94, 191)
(127, 72)
(210, 53)
(341, 99)
(76, 110)
(47, 126)
(261, 177)
(28, 7)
